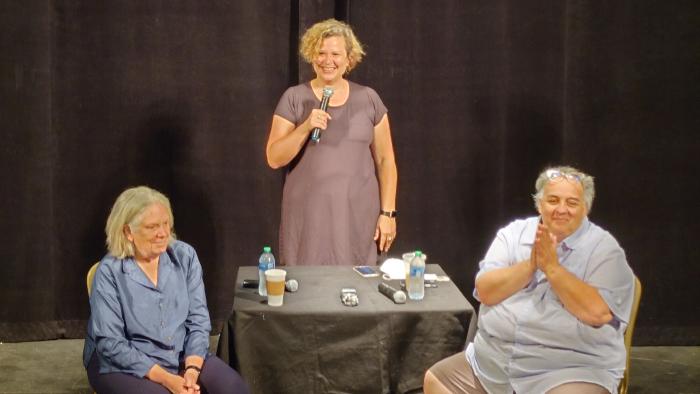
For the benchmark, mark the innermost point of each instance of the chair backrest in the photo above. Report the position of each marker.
(88, 280)
(91, 276)
(622, 389)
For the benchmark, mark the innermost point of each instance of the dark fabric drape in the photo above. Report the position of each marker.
(175, 95)
(98, 96)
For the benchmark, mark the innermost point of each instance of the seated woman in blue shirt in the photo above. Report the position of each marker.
(149, 326)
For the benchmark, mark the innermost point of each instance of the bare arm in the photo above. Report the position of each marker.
(285, 141)
(579, 298)
(384, 160)
(497, 285)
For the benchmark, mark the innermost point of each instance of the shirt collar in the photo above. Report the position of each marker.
(129, 265)
(132, 270)
(574, 239)
(530, 231)
(569, 242)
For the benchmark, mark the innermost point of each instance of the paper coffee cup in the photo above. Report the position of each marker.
(274, 279)
(407, 257)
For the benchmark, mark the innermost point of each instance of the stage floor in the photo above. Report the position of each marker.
(56, 367)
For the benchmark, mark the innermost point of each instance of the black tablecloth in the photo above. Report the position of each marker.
(314, 344)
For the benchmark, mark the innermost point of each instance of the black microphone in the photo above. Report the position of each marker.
(398, 296)
(250, 284)
(327, 93)
(290, 285)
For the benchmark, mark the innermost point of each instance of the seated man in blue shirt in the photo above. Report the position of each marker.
(556, 293)
(149, 325)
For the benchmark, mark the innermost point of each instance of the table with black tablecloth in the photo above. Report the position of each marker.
(315, 344)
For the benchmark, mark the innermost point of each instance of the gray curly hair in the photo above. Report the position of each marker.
(569, 173)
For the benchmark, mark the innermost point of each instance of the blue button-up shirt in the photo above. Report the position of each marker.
(134, 324)
(529, 342)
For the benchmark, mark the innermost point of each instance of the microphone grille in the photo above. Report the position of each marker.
(400, 297)
(292, 285)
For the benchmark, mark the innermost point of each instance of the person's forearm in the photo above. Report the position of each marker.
(497, 285)
(122, 354)
(197, 361)
(579, 298)
(158, 375)
(282, 151)
(198, 323)
(197, 340)
(388, 178)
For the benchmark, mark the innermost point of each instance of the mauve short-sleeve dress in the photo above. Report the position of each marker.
(330, 201)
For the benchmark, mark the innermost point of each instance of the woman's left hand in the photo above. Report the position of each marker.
(191, 376)
(385, 232)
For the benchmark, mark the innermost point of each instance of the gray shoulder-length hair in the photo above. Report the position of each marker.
(128, 211)
(569, 173)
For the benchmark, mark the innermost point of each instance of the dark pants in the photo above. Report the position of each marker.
(216, 378)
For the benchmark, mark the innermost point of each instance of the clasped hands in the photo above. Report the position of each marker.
(186, 384)
(544, 252)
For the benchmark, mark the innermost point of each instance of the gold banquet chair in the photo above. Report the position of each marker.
(91, 276)
(88, 280)
(622, 389)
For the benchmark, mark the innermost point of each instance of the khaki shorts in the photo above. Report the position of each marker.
(457, 375)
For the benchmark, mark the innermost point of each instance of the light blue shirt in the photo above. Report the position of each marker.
(529, 343)
(134, 324)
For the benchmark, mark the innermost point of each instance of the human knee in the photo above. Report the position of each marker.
(219, 377)
(578, 388)
(431, 384)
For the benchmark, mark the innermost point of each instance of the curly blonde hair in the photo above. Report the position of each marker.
(312, 39)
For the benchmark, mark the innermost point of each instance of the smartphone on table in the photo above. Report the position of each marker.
(366, 271)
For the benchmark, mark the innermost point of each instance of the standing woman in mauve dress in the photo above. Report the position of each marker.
(339, 198)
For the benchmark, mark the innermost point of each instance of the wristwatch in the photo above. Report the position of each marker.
(391, 214)
(196, 368)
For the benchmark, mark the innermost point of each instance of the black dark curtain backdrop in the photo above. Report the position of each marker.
(178, 95)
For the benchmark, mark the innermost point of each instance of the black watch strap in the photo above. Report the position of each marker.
(391, 214)
(196, 368)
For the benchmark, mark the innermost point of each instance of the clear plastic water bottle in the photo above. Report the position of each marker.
(415, 283)
(266, 262)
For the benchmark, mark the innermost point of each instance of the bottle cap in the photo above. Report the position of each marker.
(418, 253)
(267, 249)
